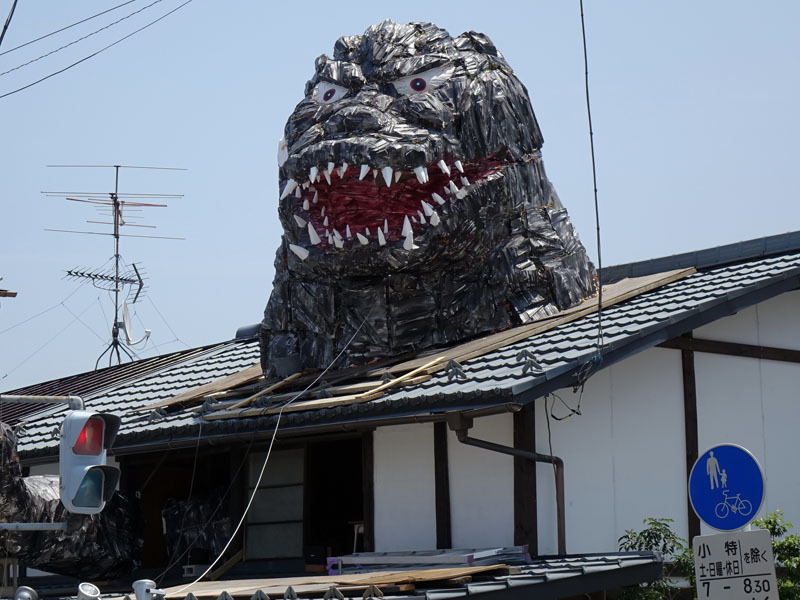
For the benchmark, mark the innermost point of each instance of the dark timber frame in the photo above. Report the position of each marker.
(444, 538)
(526, 523)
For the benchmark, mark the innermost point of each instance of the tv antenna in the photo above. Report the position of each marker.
(117, 206)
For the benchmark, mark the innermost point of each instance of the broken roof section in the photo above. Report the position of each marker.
(490, 374)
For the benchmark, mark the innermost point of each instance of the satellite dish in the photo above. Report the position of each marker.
(126, 322)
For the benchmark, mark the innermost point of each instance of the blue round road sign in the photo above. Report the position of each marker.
(726, 487)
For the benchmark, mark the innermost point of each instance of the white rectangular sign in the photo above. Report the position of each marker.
(735, 566)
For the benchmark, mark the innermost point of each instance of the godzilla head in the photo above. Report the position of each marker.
(393, 156)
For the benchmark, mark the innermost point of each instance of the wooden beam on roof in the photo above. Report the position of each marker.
(242, 377)
(7, 294)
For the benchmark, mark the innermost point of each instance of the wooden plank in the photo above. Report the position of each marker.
(265, 391)
(226, 566)
(318, 584)
(223, 383)
(394, 382)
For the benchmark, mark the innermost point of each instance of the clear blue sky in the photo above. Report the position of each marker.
(694, 107)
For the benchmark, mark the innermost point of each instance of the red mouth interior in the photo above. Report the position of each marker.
(363, 205)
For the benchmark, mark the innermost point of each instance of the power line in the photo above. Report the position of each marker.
(65, 28)
(45, 311)
(25, 87)
(8, 21)
(80, 39)
(596, 204)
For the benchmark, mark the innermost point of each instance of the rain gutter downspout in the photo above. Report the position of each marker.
(461, 424)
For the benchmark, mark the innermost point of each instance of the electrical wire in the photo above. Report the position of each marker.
(170, 562)
(97, 335)
(65, 28)
(45, 311)
(269, 452)
(8, 21)
(594, 182)
(163, 319)
(40, 348)
(84, 59)
(80, 39)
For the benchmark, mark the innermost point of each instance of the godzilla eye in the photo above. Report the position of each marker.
(327, 93)
(421, 82)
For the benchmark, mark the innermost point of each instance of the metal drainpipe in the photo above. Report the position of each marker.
(461, 424)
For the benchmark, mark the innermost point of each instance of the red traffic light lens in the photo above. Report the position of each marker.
(90, 439)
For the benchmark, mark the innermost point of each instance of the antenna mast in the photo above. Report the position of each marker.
(118, 203)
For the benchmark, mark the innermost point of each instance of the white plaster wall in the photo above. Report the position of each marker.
(405, 507)
(482, 486)
(624, 455)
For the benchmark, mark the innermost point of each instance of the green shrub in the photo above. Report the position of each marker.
(786, 549)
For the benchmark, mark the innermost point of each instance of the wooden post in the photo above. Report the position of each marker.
(368, 479)
(526, 527)
(442, 477)
(690, 427)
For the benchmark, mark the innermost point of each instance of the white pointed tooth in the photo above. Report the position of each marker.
(406, 227)
(397, 176)
(453, 188)
(443, 166)
(414, 220)
(338, 242)
(298, 193)
(305, 185)
(435, 219)
(322, 212)
(464, 181)
(327, 175)
(425, 172)
(328, 236)
(459, 166)
(300, 220)
(306, 205)
(437, 198)
(387, 175)
(316, 196)
(364, 241)
(363, 172)
(420, 174)
(421, 217)
(374, 173)
(312, 235)
(325, 222)
(316, 179)
(462, 193)
(343, 169)
(366, 231)
(288, 188)
(447, 191)
(408, 243)
(385, 226)
(330, 168)
(427, 208)
(381, 238)
(301, 252)
(347, 232)
(283, 152)
(336, 234)
(312, 174)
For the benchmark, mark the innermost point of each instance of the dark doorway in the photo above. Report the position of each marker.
(333, 497)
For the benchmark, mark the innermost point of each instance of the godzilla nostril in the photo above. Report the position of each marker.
(354, 119)
(425, 109)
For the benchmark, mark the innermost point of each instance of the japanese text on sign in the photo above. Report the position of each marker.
(735, 566)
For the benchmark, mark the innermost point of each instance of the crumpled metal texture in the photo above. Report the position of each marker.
(414, 204)
(103, 545)
(197, 524)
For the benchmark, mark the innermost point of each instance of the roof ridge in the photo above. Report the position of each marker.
(710, 257)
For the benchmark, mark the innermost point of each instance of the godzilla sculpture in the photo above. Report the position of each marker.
(415, 206)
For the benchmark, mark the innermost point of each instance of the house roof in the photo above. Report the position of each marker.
(544, 577)
(511, 367)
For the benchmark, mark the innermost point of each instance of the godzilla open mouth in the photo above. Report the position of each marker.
(343, 206)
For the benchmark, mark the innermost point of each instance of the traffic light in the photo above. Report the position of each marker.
(85, 481)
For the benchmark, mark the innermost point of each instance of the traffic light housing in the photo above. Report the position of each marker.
(85, 481)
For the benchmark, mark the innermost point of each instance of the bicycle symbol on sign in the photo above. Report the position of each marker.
(732, 504)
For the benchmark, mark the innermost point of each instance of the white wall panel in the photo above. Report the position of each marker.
(405, 508)
(482, 486)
